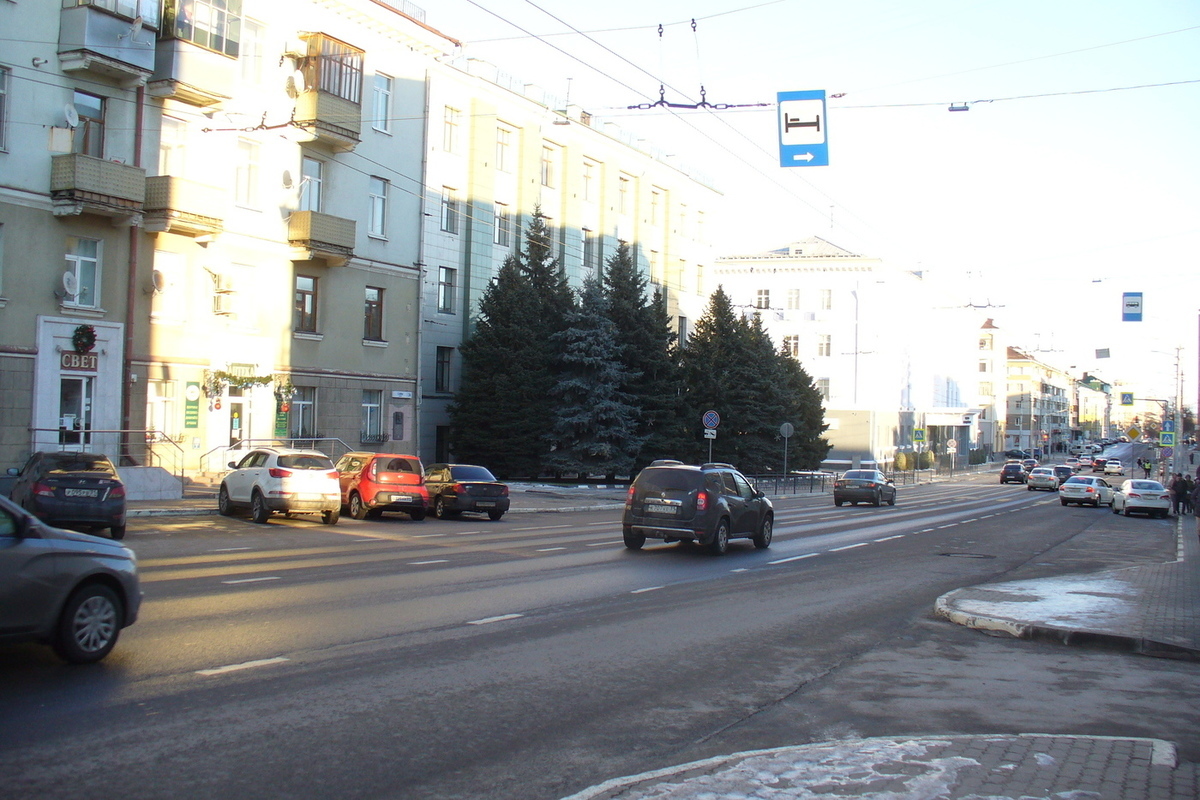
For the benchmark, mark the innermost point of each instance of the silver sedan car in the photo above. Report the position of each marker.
(1042, 478)
(1086, 490)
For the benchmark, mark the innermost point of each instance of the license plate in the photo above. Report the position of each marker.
(402, 498)
(310, 497)
(81, 492)
(486, 505)
(656, 508)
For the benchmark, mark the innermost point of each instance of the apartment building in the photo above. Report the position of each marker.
(231, 222)
(1039, 404)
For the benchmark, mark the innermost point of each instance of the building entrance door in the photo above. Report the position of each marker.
(75, 410)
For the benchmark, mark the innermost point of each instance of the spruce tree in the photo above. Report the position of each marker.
(647, 346)
(595, 425)
(807, 448)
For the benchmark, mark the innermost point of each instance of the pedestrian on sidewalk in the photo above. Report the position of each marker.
(1189, 506)
(1146, 466)
(1178, 489)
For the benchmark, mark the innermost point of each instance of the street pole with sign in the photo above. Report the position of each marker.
(786, 430)
(710, 419)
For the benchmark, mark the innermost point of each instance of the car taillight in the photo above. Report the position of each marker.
(702, 501)
(628, 495)
(1134, 494)
(458, 488)
(504, 491)
(276, 472)
(333, 473)
(117, 491)
(44, 489)
(1091, 489)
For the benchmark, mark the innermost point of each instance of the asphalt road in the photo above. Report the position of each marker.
(532, 657)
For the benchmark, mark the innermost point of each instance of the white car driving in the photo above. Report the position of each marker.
(1142, 496)
(1086, 490)
(1113, 467)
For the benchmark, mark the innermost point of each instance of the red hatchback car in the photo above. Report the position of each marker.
(376, 482)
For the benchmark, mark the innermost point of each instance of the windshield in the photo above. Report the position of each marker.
(467, 473)
(78, 462)
(1151, 486)
(305, 461)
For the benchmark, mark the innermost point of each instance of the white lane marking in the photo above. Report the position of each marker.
(739, 569)
(647, 589)
(428, 535)
(889, 538)
(965, 521)
(543, 528)
(228, 549)
(926, 530)
(431, 561)
(794, 558)
(252, 580)
(490, 620)
(594, 524)
(549, 549)
(951, 525)
(848, 547)
(603, 544)
(264, 662)
(363, 541)
(466, 533)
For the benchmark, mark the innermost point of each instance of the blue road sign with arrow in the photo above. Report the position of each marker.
(803, 129)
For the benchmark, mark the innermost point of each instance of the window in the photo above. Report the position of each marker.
(449, 210)
(549, 155)
(762, 298)
(824, 345)
(372, 417)
(591, 172)
(89, 134)
(681, 325)
(826, 299)
(591, 250)
(623, 196)
(791, 345)
(381, 103)
(160, 408)
(306, 304)
(334, 67)
(302, 418)
(793, 299)
(171, 151)
(446, 279)
(146, 9)
(655, 202)
(311, 183)
(373, 314)
(823, 388)
(442, 377)
(984, 365)
(504, 161)
(451, 117)
(246, 174)
(5, 72)
(211, 24)
(985, 389)
(985, 342)
(253, 53)
(377, 214)
(501, 234)
(83, 261)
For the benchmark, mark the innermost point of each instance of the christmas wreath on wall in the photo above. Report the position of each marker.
(84, 339)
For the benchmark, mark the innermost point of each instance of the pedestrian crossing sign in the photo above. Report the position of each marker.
(918, 434)
(1166, 439)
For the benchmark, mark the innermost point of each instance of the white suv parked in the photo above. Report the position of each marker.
(276, 479)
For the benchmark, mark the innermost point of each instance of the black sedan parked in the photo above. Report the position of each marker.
(455, 488)
(72, 490)
(865, 486)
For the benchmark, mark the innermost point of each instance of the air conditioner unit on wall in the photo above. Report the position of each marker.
(223, 304)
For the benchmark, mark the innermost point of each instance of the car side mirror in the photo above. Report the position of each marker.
(14, 471)
(233, 465)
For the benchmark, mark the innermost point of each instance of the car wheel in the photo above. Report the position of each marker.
(1029, 488)
(495, 516)
(1125, 510)
(89, 625)
(633, 541)
(224, 504)
(117, 532)
(1064, 502)
(1115, 510)
(356, 507)
(762, 539)
(331, 517)
(837, 503)
(720, 540)
(440, 510)
(878, 501)
(259, 511)
(417, 516)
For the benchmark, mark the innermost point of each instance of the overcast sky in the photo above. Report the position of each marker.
(1059, 189)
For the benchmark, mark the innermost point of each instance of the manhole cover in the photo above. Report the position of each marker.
(965, 555)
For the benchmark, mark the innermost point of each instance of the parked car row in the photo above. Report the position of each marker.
(364, 485)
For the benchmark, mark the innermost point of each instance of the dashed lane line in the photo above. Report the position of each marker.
(490, 620)
(847, 547)
(252, 580)
(263, 662)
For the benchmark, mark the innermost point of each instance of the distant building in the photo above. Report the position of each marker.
(893, 363)
(1039, 404)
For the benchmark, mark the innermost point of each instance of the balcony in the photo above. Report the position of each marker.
(82, 184)
(176, 205)
(94, 41)
(328, 119)
(192, 74)
(321, 237)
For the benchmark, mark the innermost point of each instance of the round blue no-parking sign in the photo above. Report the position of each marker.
(711, 419)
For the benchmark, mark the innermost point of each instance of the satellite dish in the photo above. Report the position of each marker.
(287, 179)
(296, 84)
(70, 284)
(134, 29)
(159, 280)
(71, 115)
